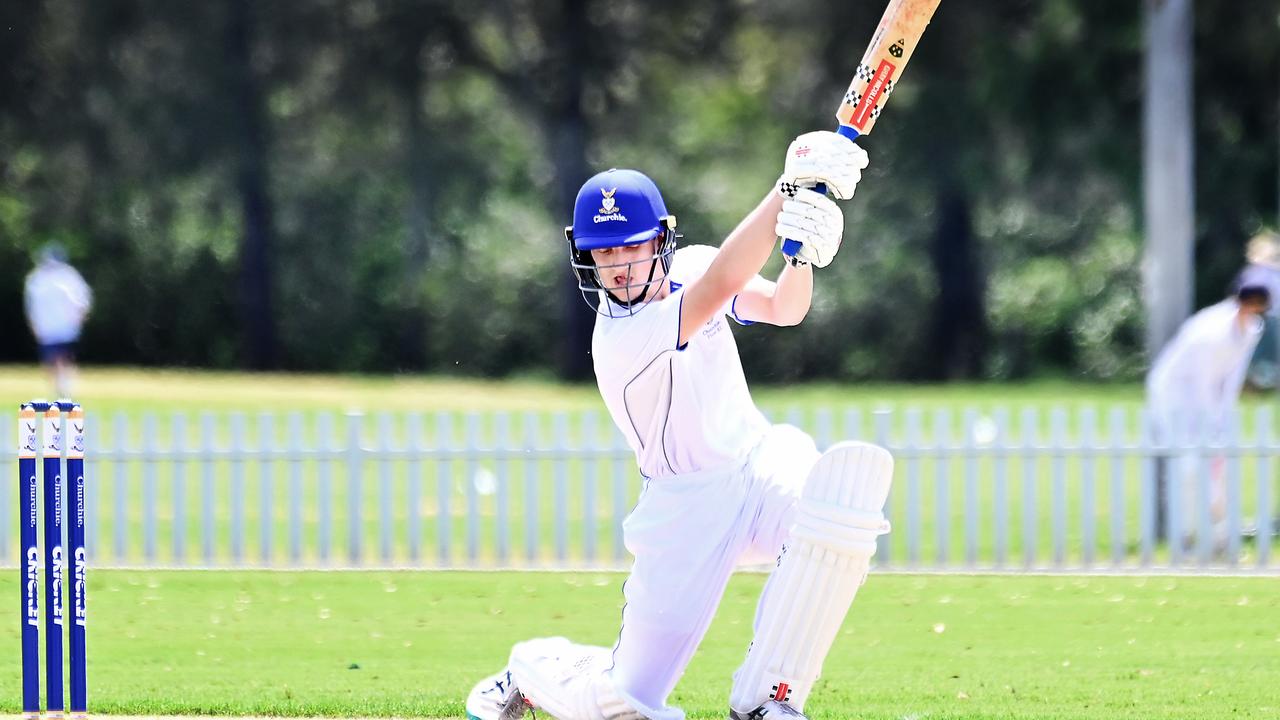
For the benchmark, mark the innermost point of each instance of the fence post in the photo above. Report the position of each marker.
(324, 489)
(852, 424)
(1088, 470)
(942, 464)
(1058, 428)
(120, 519)
(587, 448)
(822, 428)
(149, 486)
(529, 435)
(444, 486)
(296, 500)
(502, 441)
(1263, 521)
(560, 446)
(1029, 509)
(970, 488)
(208, 493)
(266, 468)
(237, 487)
(1001, 510)
(1149, 455)
(1117, 428)
(795, 416)
(914, 448)
(355, 489)
(384, 447)
(178, 451)
(414, 524)
(473, 499)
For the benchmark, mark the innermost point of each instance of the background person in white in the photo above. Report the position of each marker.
(721, 483)
(1193, 389)
(57, 301)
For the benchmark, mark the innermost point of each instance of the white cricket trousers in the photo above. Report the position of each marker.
(687, 534)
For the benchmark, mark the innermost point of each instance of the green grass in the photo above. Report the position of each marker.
(108, 390)
(413, 643)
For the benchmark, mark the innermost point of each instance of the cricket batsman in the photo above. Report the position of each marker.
(722, 486)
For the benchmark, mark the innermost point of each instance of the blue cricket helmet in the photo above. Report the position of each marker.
(616, 208)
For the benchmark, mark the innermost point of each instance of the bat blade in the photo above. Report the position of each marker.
(891, 47)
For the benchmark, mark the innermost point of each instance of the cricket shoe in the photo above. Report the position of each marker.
(771, 710)
(497, 698)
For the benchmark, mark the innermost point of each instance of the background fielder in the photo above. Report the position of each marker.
(1193, 390)
(57, 300)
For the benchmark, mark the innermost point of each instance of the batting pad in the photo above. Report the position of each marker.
(568, 681)
(838, 518)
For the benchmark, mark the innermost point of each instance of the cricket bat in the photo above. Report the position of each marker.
(891, 47)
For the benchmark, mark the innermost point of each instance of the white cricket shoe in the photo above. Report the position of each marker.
(496, 698)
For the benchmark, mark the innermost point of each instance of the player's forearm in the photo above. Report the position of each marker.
(793, 294)
(747, 248)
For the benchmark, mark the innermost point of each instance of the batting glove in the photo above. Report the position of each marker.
(815, 221)
(823, 157)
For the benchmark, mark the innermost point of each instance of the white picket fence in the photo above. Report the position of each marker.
(1025, 489)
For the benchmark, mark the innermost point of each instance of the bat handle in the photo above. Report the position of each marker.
(791, 247)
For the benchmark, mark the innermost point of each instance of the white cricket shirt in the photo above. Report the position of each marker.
(57, 299)
(1201, 370)
(681, 410)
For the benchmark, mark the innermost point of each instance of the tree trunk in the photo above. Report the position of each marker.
(569, 147)
(1168, 159)
(959, 322)
(417, 248)
(257, 312)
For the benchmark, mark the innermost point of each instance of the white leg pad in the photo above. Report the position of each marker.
(568, 681)
(838, 518)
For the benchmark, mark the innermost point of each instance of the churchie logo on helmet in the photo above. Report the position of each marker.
(609, 208)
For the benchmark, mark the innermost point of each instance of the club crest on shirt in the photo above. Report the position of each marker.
(609, 209)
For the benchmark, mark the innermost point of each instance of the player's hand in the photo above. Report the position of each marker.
(823, 157)
(815, 221)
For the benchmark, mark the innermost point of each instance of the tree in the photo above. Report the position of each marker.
(251, 146)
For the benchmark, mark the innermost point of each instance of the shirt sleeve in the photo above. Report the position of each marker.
(689, 264)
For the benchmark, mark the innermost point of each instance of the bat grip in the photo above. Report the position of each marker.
(791, 247)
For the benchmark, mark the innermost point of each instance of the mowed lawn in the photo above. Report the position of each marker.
(411, 643)
(108, 390)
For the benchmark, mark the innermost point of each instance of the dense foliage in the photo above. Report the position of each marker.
(380, 185)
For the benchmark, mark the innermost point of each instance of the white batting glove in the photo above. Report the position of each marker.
(823, 157)
(815, 221)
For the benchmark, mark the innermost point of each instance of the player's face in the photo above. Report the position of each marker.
(1254, 307)
(624, 270)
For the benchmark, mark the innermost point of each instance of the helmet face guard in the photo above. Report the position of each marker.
(605, 302)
